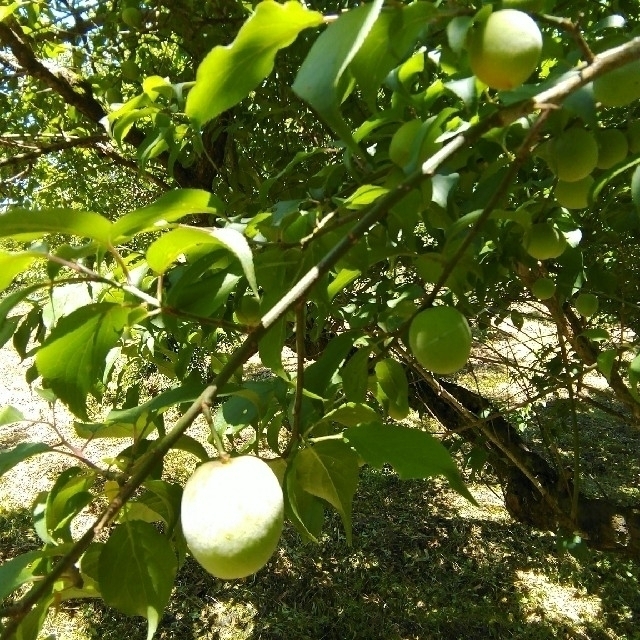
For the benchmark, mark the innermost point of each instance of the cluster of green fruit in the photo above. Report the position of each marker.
(577, 153)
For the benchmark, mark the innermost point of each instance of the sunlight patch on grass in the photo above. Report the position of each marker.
(554, 602)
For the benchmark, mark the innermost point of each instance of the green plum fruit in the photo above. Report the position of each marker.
(574, 195)
(573, 155)
(619, 87)
(504, 49)
(232, 515)
(543, 288)
(543, 241)
(613, 147)
(440, 339)
(586, 304)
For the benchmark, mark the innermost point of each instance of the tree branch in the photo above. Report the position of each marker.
(68, 143)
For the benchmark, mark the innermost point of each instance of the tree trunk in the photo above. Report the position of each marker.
(535, 492)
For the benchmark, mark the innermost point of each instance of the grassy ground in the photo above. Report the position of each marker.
(424, 564)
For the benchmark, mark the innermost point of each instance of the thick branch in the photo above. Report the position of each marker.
(63, 82)
(69, 143)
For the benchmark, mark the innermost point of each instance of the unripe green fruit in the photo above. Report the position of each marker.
(132, 17)
(129, 70)
(232, 516)
(112, 94)
(543, 288)
(574, 155)
(248, 311)
(440, 339)
(574, 195)
(504, 49)
(586, 304)
(543, 241)
(618, 87)
(613, 147)
(533, 6)
(633, 136)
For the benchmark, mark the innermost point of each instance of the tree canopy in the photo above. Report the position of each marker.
(187, 185)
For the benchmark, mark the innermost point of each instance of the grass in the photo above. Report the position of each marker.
(424, 565)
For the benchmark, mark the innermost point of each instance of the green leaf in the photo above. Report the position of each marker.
(635, 188)
(164, 251)
(605, 362)
(169, 207)
(188, 391)
(605, 178)
(17, 571)
(412, 453)
(229, 73)
(12, 264)
(24, 223)
(634, 377)
(192, 446)
(160, 501)
(5, 12)
(354, 376)
(388, 42)
(68, 496)
(205, 296)
(32, 623)
(73, 356)
(136, 571)
(329, 470)
(344, 278)
(270, 348)
(9, 415)
(352, 414)
(318, 376)
(9, 458)
(304, 511)
(323, 80)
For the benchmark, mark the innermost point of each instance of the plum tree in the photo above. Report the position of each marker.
(504, 49)
(440, 339)
(349, 167)
(232, 515)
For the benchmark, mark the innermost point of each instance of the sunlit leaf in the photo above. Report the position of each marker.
(74, 354)
(16, 571)
(329, 470)
(23, 224)
(323, 80)
(169, 207)
(229, 73)
(411, 452)
(9, 458)
(162, 253)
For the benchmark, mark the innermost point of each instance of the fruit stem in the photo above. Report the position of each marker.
(217, 440)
